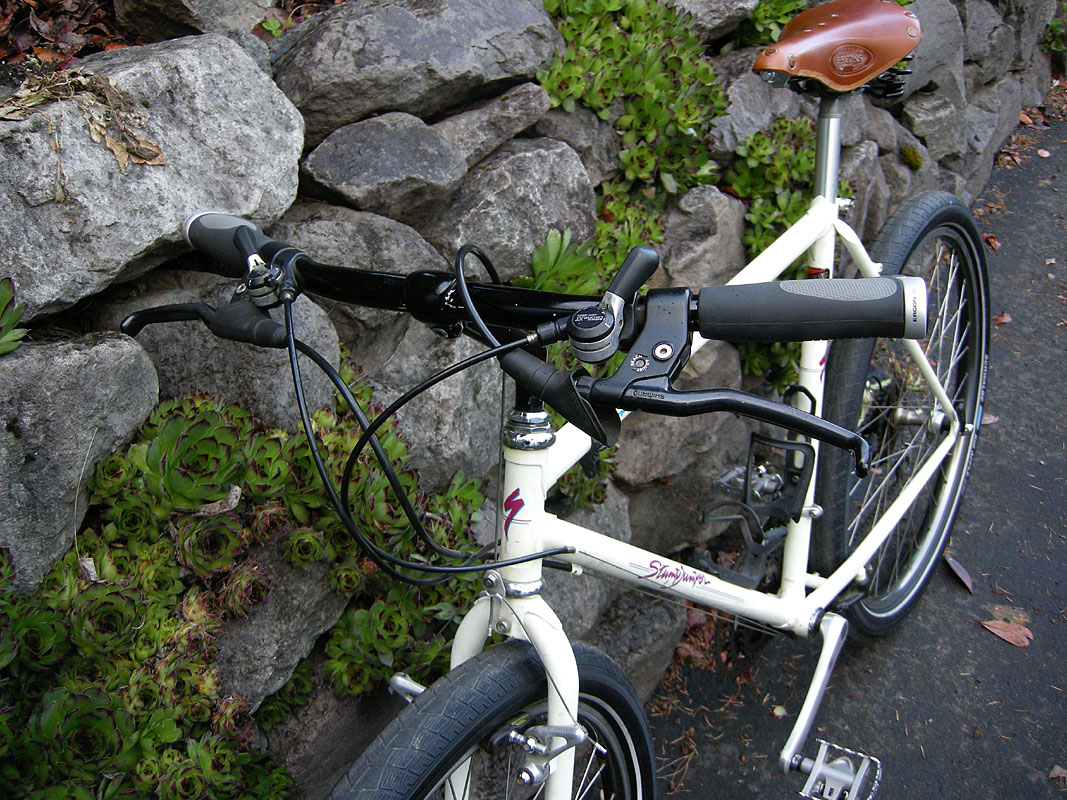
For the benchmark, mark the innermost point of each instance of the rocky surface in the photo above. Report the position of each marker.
(196, 97)
(65, 406)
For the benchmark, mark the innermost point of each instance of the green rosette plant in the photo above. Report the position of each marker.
(207, 545)
(244, 589)
(104, 620)
(10, 314)
(268, 469)
(193, 461)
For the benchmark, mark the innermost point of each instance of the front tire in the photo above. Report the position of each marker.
(469, 711)
(873, 387)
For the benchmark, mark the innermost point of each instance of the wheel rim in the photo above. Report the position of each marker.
(903, 425)
(599, 772)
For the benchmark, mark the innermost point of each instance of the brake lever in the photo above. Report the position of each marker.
(177, 312)
(240, 321)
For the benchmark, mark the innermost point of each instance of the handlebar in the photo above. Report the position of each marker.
(656, 329)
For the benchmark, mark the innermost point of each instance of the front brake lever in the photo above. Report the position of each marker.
(177, 312)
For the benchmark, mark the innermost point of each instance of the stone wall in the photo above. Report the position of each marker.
(381, 135)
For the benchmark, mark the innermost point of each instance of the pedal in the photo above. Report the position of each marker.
(838, 773)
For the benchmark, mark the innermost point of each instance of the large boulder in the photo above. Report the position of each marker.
(410, 55)
(594, 140)
(75, 221)
(715, 18)
(509, 204)
(702, 238)
(359, 240)
(989, 42)
(190, 358)
(64, 407)
(476, 132)
(394, 165)
(938, 59)
(258, 653)
(167, 19)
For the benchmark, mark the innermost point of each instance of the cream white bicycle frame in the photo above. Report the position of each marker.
(798, 606)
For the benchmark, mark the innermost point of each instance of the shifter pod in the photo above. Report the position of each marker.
(593, 334)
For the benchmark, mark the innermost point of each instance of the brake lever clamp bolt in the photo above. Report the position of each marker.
(662, 351)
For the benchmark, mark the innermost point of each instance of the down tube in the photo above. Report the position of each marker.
(611, 558)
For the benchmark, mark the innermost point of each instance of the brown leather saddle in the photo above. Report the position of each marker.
(843, 44)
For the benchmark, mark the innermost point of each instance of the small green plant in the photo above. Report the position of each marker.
(911, 157)
(10, 314)
(764, 25)
(560, 266)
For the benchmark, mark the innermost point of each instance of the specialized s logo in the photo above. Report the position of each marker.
(513, 505)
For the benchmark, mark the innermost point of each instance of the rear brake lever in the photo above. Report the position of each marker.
(178, 312)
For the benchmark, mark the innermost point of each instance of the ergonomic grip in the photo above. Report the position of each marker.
(211, 232)
(797, 311)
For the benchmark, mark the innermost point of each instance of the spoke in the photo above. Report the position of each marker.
(591, 782)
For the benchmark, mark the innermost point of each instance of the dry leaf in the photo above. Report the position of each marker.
(1044, 153)
(991, 242)
(228, 503)
(1024, 118)
(1049, 261)
(1002, 319)
(990, 419)
(1058, 772)
(960, 572)
(1010, 632)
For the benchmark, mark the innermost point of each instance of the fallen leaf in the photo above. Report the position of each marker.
(960, 571)
(991, 242)
(1010, 632)
(1002, 319)
(1024, 118)
(226, 504)
(1044, 153)
(1058, 772)
(1049, 261)
(779, 711)
(990, 419)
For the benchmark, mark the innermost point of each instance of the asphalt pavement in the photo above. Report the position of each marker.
(951, 710)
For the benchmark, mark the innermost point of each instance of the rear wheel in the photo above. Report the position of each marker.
(468, 715)
(873, 387)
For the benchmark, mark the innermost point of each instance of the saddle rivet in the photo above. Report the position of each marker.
(912, 32)
(770, 51)
(792, 61)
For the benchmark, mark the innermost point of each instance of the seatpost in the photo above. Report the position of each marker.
(828, 147)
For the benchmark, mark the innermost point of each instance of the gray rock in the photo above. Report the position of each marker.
(703, 238)
(454, 425)
(579, 600)
(512, 200)
(322, 739)
(860, 167)
(190, 358)
(257, 654)
(989, 43)
(594, 139)
(715, 18)
(881, 128)
(358, 240)
(480, 130)
(1028, 18)
(410, 55)
(934, 119)
(938, 59)
(990, 121)
(640, 633)
(64, 407)
(198, 96)
(394, 165)
(166, 19)
(854, 109)
(753, 104)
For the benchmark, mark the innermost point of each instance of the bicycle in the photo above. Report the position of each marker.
(545, 716)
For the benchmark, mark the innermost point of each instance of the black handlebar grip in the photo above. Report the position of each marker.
(638, 267)
(211, 232)
(807, 310)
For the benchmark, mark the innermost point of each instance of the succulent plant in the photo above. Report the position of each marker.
(83, 734)
(104, 620)
(270, 521)
(233, 720)
(40, 636)
(245, 588)
(132, 518)
(209, 544)
(268, 469)
(304, 547)
(200, 607)
(347, 578)
(296, 692)
(10, 314)
(193, 461)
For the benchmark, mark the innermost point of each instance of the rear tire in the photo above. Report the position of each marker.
(458, 717)
(873, 387)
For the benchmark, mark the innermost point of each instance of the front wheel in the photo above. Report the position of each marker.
(467, 716)
(873, 387)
